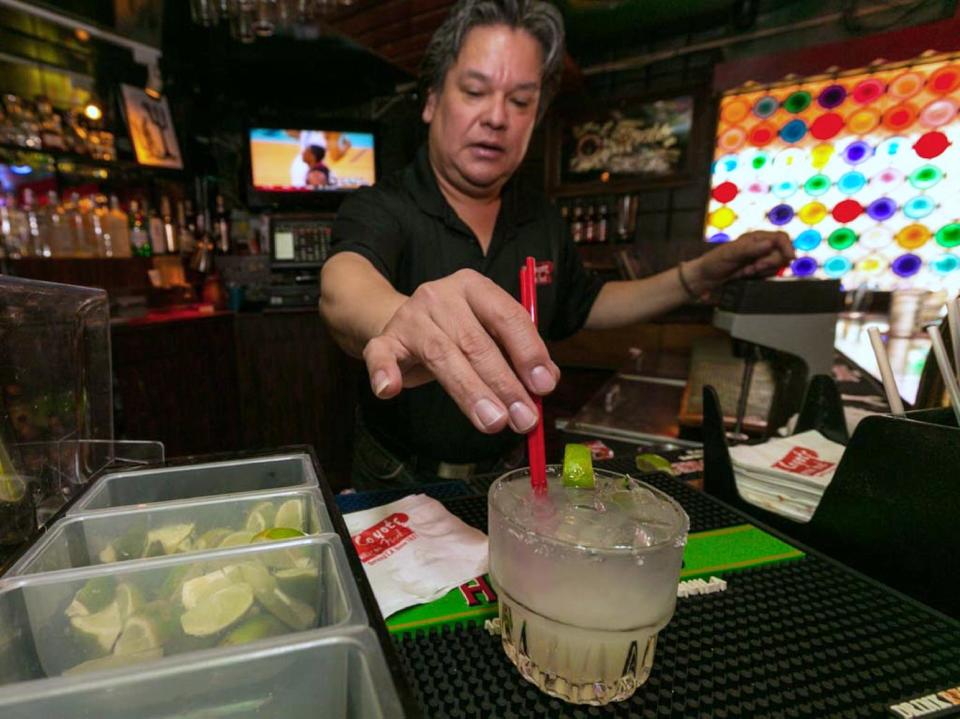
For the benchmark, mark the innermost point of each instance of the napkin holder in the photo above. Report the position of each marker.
(891, 509)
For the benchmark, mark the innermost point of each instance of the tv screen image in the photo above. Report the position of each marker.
(861, 170)
(311, 160)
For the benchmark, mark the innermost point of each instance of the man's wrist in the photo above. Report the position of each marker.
(690, 274)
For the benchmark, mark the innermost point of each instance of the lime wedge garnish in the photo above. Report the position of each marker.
(235, 539)
(139, 634)
(578, 466)
(299, 583)
(251, 630)
(104, 626)
(218, 611)
(129, 599)
(290, 515)
(289, 610)
(261, 517)
(276, 533)
(195, 590)
(212, 538)
(169, 536)
(112, 661)
(95, 595)
(653, 463)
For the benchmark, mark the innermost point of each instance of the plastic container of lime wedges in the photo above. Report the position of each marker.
(274, 627)
(173, 528)
(121, 489)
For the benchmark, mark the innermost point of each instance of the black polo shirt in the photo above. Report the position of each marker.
(407, 230)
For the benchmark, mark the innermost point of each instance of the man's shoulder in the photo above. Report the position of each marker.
(390, 194)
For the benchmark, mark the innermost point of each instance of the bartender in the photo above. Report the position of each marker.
(424, 279)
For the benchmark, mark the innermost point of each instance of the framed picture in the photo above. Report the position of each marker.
(151, 129)
(630, 144)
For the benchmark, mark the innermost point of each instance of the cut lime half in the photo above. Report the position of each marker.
(578, 467)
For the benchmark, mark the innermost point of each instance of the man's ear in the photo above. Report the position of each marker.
(429, 107)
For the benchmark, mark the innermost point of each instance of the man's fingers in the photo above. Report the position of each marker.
(382, 356)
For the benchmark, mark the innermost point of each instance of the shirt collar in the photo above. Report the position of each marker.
(515, 205)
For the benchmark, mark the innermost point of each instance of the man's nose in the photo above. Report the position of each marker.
(495, 116)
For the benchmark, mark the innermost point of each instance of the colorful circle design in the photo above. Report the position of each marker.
(718, 238)
(851, 182)
(931, 144)
(944, 80)
(793, 131)
(762, 134)
(857, 152)
(863, 121)
(722, 218)
(734, 111)
(949, 235)
(757, 188)
(906, 265)
(913, 236)
(803, 266)
(807, 240)
(900, 117)
(847, 211)
(876, 238)
(837, 266)
(759, 160)
(826, 126)
(916, 208)
(732, 139)
(725, 192)
(891, 177)
(938, 113)
(820, 155)
(866, 91)
(812, 213)
(781, 214)
(817, 185)
(726, 164)
(871, 265)
(923, 178)
(905, 85)
(892, 146)
(765, 106)
(832, 96)
(842, 239)
(797, 101)
(882, 209)
(783, 190)
(945, 264)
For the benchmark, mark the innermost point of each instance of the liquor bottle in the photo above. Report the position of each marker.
(119, 227)
(102, 238)
(169, 230)
(202, 259)
(39, 236)
(565, 215)
(158, 245)
(601, 233)
(576, 227)
(15, 230)
(61, 238)
(221, 227)
(186, 238)
(588, 226)
(83, 226)
(71, 209)
(139, 236)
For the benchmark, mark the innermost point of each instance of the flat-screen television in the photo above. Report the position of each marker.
(862, 170)
(309, 166)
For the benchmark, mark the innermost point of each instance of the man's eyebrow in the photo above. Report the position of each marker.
(477, 75)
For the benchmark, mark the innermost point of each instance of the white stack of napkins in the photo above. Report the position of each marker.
(786, 475)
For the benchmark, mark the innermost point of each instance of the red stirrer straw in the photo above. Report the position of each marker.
(535, 449)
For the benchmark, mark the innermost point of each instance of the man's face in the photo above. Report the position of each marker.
(481, 121)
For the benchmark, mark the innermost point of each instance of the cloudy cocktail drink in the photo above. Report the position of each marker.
(586, 578)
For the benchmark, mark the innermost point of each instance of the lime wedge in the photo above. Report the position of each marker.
(104, 626)
(299, 583)
(12, 488)
(132, 544)
(261, 517)
(129, 599)
(113, 661)
(289, 610)
(139, 634)
(197, 589)
(95, 595)
(577, 466)
(170, 536)
(277, 533)
(653, 463)
(218, 611)
(236, 539)
(290, 515)
(172, 584)
(212, 538)
(251, 630)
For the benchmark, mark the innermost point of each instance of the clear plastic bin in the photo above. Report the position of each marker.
(97, 619)
(118, 535)
(341, 676)
(197, 480)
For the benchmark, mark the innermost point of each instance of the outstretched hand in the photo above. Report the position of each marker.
(474, 339)
(753, 254)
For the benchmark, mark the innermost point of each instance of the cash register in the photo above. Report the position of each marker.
(299, 245)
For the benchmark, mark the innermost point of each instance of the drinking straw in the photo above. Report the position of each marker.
(953, 318)
(940, 350)
(886, 372)
(535, 449)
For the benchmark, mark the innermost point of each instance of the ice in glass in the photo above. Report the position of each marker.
(586, 578)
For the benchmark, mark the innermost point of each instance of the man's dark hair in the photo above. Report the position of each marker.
(542, 20)
(319, 152)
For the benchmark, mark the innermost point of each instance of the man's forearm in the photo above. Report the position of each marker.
(622, 303)
(356, 301)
